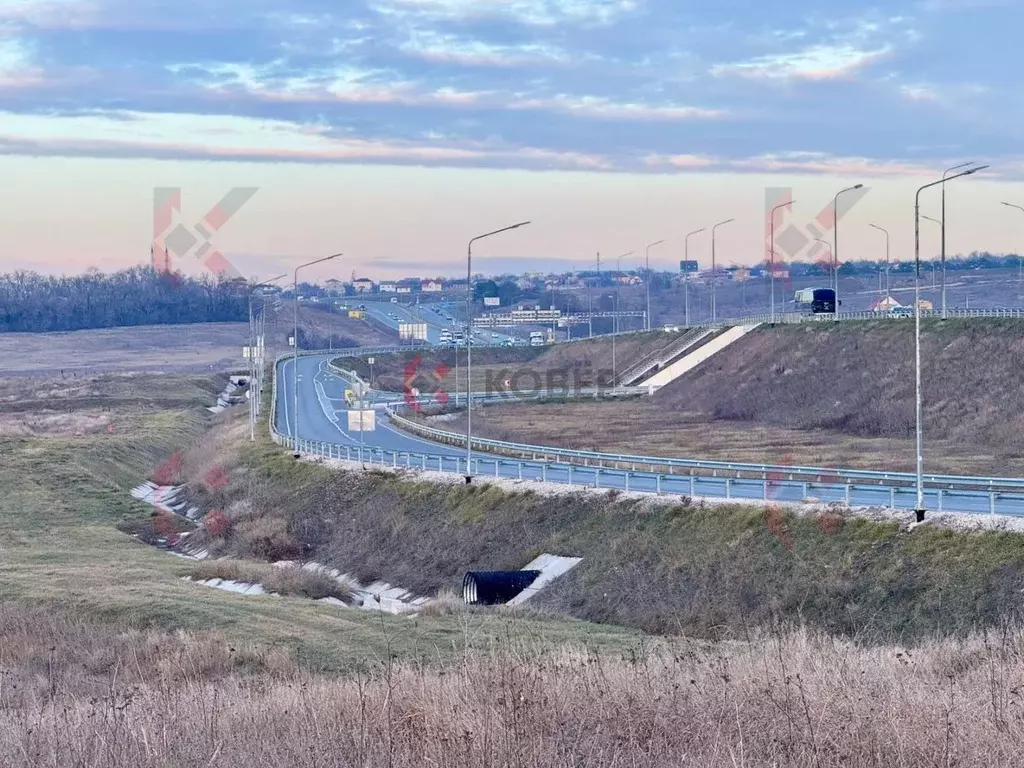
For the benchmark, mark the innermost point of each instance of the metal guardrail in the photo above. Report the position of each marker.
(737, 469)
(763, 490)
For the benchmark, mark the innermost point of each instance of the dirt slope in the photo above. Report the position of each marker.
(858, 379)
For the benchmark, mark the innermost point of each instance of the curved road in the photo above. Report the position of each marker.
(322, 418)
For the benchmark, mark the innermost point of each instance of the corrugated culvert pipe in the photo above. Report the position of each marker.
(495, 587)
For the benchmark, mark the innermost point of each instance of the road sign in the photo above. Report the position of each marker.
(368, 423)
(369, 360)
(412, 331)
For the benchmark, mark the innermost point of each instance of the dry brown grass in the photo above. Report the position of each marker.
(44, 423)
(643, 426)
(291, 579)
(792, 700)
(200, 347)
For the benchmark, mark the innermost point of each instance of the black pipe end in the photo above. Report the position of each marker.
(920, 515)
(469, 479)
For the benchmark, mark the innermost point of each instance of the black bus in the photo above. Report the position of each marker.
(816, 300)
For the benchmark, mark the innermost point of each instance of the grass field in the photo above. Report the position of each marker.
(202, 347)
(65, 497)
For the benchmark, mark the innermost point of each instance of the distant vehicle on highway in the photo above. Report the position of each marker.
(394, 299)
(901, 312)
(816, 301)
(536, 339)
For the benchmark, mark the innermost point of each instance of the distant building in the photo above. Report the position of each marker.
(627, 280)
(334, 286)
(363, 285)
(431, 286)
(389, 287)
(407, 286)
(885, 304)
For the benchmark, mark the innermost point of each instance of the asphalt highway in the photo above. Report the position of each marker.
(322, 417)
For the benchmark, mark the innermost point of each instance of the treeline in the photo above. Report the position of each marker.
(136, 296)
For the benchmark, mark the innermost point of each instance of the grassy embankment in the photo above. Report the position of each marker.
(663, 567)
(822, 394)
(65, 496)
(94, 673)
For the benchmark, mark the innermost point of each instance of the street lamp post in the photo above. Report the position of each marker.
(615, 331)
(882, 229)
(919, 509)
(255, 374)
(933, 221)
(295, 350)
(772, 253)
(943, 222)
(648, 281)
(714, 269)
(469, 343)
(686, 282)
(1020, 259)
(835, 238)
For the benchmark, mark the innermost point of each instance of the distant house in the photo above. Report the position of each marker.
(407, 286)
(334, 286)
(363, 285)
(431, 286)
(390, 287)
(885, 304)
(627, 280)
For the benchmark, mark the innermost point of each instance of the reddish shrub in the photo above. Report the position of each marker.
(215, 522)
(215, 479)
(775, 519)
(828, 523)
(169, 472)
(163, 524)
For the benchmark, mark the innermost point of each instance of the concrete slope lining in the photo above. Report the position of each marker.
(687, 343)
(698, 356)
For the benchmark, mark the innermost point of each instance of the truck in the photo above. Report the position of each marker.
(816, 301)
(537, 338)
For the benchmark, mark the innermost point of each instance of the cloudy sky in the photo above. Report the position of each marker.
(394, 130)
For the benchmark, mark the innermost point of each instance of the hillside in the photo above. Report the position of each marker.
(817, 394)
(580, 364)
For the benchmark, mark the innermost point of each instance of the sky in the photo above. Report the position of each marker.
(396, 130)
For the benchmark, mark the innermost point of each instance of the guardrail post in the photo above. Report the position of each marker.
(693, 485)
(805, 491)
(992, 503)
(520, 470)
(544, 472)
(657, 487)
(394, 460)
(570, 475)
(728, 487)
(940, 494)
(626, 476)
(849, 488)
(597, 477)
(424, 462)
(496, 467)
(892, 497)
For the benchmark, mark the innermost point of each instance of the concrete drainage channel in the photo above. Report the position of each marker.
(479, 588)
